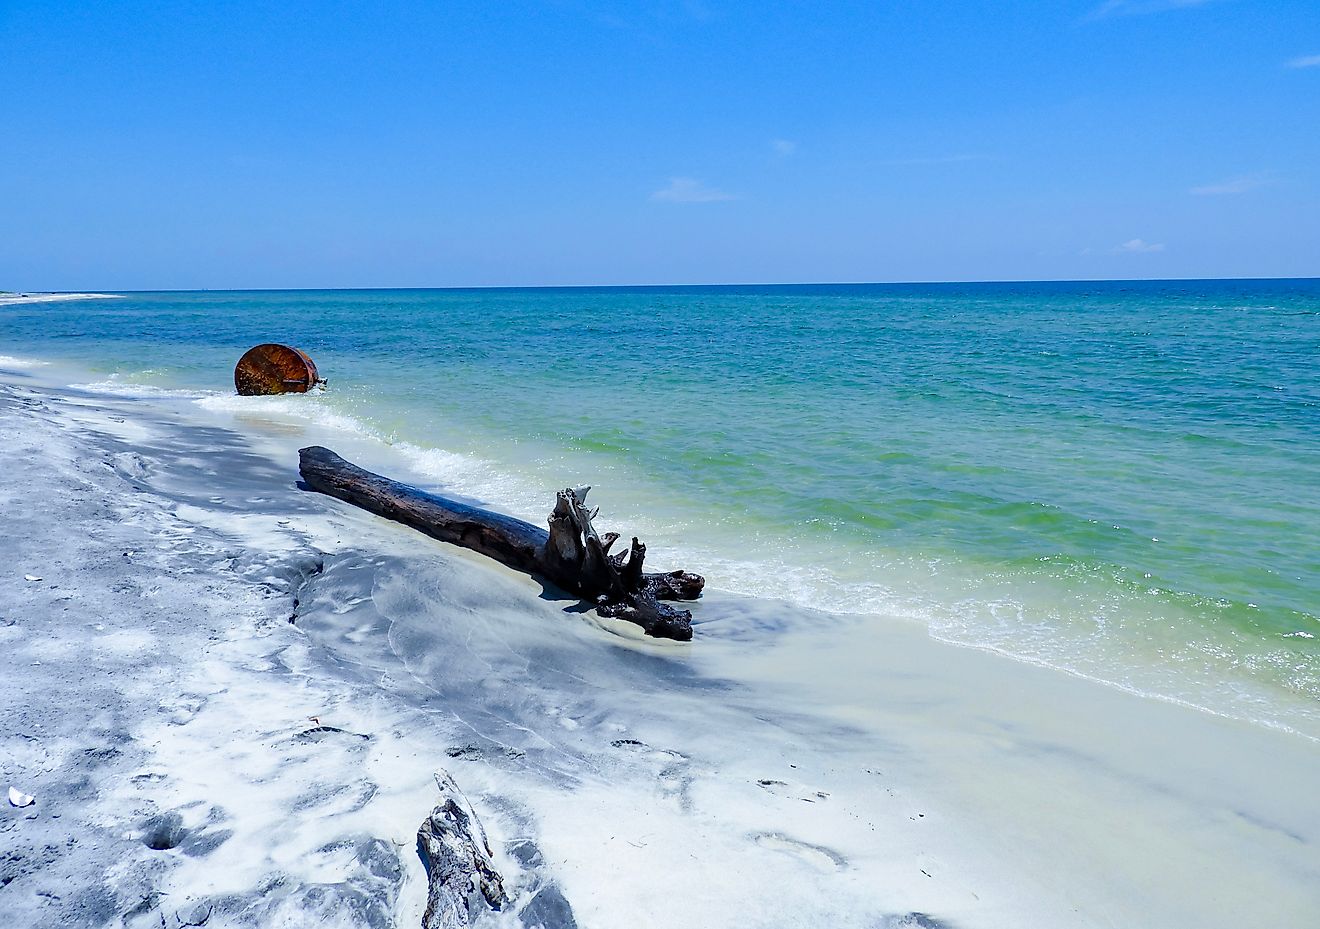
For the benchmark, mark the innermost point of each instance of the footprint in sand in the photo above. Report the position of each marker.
(129, 465)
(792, 791)
(665, 756)
(912, 921)
(676, 782)
(819, 857)
(674, 777)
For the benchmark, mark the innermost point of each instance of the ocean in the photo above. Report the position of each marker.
(1120, 480)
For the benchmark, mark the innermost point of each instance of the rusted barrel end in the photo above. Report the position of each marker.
(274, 369)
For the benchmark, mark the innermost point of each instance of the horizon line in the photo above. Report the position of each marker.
(891, 283)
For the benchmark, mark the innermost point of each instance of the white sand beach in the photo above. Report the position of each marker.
(229, 697)
(10, 299)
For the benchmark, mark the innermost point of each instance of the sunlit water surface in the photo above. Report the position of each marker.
(1122, 480)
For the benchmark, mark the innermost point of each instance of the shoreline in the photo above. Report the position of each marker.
(12, 299)
(957, 783)
(794, 584)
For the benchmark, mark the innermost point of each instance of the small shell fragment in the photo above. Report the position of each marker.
(20, 799)
(30, 577)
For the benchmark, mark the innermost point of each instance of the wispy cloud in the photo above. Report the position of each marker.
(689, 190)
(1141, 7)
(1138, 247)
(1233, 185)
(1306, 61)
(784, 147)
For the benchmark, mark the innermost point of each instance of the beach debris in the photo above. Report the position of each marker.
(571, 555)
(30, 577)
(271, 368)
(477, 753)
(463, 882)
(317, 733)
(19, 799)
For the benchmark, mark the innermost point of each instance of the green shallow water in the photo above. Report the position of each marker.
(1122, 480)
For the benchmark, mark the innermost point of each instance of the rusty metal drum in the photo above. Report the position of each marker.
(274, 369)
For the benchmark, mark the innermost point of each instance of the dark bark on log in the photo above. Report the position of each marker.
(571, 554)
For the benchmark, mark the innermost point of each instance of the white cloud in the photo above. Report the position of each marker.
(783, 147)
(1306, 61)
(689, 190)
(1141, 7)
(1138, 247)
(1232, 185)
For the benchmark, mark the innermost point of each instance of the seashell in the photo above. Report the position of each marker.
(18, 798)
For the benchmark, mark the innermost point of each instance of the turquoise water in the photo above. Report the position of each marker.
(1122, 480)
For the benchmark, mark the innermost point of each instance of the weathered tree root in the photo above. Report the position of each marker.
(463, 883)
(571, 555)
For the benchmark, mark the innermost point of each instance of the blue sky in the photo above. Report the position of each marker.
(320, 144)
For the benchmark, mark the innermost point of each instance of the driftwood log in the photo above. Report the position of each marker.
(571, 555)
(461, 879)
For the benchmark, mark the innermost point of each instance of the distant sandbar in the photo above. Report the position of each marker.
(8, 298)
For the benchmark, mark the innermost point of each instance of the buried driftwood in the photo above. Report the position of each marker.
(463, 883)
(572, 555)
(463, 886)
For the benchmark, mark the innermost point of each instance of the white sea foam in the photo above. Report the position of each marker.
(117, 387)
(11, 299)
(761, 571)
(19, 364)
(312, 408)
